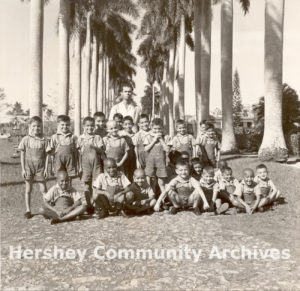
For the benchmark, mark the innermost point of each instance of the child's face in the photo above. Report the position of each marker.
(197, 168)
(36, 128)
(227, 175)
(262, 173)
(203, 127)
(144, 124)
(119, 122)
(208, 177)
(248, 177)
(113, 129)
(181, 129)
(100, 122)
(140, 179)
(89, 127)
(64, 126)
(111, 168)
(157, 129)
(127, 125)
(63, 181)
(183, 171)
(210, 133)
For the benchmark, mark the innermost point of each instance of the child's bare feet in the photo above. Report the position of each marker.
(223, 208)
(28, 215)
(197, 211)
(173, 210)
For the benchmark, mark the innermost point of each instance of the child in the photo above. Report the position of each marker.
(171, 168)
(156, 146)
(249, 191)
(182, 141)
(196, 168)
(62, 202)
(100, 124)
(90, 147)
(203, 128)
(185, 156)
(268, 191)
(183, 191)
(138, 141)
(144, 197)
(128, 134)
(63, 146)
(118, 118)
(211, 191)
(208, 147)
(34, 160)
(218, 174)
(108, 190)
(116, 147)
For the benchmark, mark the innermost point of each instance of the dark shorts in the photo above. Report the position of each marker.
(35, 170)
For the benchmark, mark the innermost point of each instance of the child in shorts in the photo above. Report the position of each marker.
(156, 146)
(222, 164)
(267, 189)
(100, 124)
(63, 146)
(34, 160)
(115, 146)
(183, 191)
(138, 141)
(109, 194)
(118, 118)
(182, 141)
(128, 134)
(62, 202)
(90, 147)
(196, 168)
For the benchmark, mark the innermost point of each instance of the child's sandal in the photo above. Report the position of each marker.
(28, 215)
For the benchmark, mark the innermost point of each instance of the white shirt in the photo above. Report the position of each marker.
(131, 110)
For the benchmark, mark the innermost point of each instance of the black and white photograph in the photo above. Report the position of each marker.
(149, 145)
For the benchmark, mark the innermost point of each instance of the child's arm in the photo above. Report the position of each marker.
(46, 166)
(258, 198)
(79, 163)
(23, 164)
(205, 203)
(241, 201)
(273, 187)
(150, 146)
(123, 160)
(164, 145)
(159, 201)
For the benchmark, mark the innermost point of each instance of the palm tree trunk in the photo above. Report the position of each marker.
(273, 144)
(228, 138)
(171, 87)
(165, 109)
(94, 72)
(181, 67)
(100, 80)
(86, 68)
(77, 77)
(64, 61)
(104, 85)
(205, 56)
(36, 57)
(176, 83)
(107, 81)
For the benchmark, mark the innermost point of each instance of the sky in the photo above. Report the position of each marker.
(248, 53)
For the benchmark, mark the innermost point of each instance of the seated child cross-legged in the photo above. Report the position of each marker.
(62, 202)
(183, 191)
(109, 194)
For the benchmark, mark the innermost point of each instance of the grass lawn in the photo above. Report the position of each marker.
(277, 228)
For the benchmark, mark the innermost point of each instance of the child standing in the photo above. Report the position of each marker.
(108, 190)
(138, 141)
(116, 146)
(100, 124)
(90, 148)
(182, 141)
(34, 160)
(63, 146)
(156, 146)
(118, 118)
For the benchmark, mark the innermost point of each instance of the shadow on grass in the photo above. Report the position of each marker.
(14, 183)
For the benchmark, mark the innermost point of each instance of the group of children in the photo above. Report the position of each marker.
(126, 172)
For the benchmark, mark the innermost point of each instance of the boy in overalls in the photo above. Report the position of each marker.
(182, 141)
(108, 195)
(183, 191)
(90, 148)
(34, 160)
(100, 124)
(115, 146)
(63, 146)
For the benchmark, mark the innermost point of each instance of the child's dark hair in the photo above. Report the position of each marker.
(118, 115)
(128, 118)
(125, 84)
(180, 122)
(248, 170)
(182, 162)
(209, 170)
(174, 156)
(157, 121)
(99, 114)
(209, 125)
(88, 119)
(222, 164)
(226, 169)
(63, 118)
(185, 153)
(144, 116)
(261, 166)
(35, 119)
(204, 121)
(195, 161)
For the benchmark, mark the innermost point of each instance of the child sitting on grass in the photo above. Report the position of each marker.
(222, 164)
(34, 160)
(196, 168)
(183, 191)
(100, 124)
(62, 202)
(109, 192)
(267, 190)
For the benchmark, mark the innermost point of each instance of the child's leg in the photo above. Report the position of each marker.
(88, 193)
(274, 195)
(43, 188)
(75, 212)
(194, 199)
(263, 202)
(28, 190)
(161, 184)
(174, 198)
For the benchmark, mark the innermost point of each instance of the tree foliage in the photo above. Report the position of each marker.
(236, 100)
(146, 100)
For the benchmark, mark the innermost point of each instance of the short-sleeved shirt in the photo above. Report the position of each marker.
(60, 138)
(150, 136)
(178, 182)
(131, 110)
(212, 186)
(104, 180)
(109, 142)
(33, 142)
(268, 183)
(233, 182)
(56, 192)
(141, 193)
(179, 140)
(102, 132)
(86, 140)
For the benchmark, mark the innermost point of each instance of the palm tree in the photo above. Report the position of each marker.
(273, 144)
(100, 79)
(93, 76)
(181, 66)
(36, 56)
